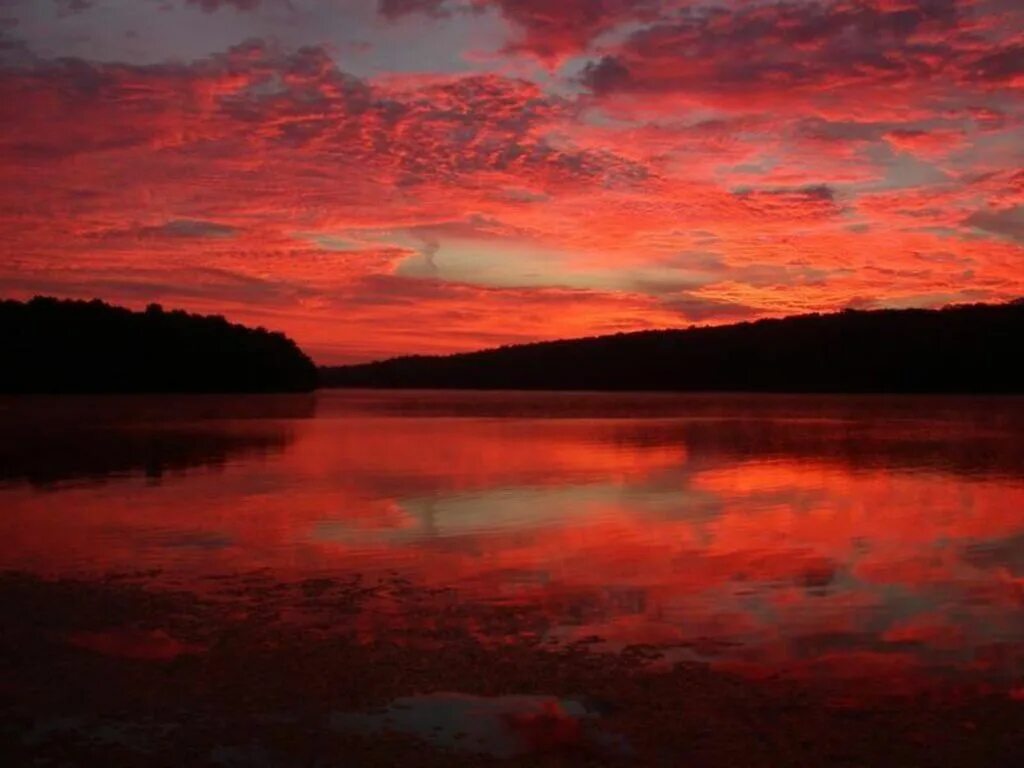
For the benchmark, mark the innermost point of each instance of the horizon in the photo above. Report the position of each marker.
(673, 329)
(380, 178)
(665, 329)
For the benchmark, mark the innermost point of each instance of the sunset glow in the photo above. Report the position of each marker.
(377, 177)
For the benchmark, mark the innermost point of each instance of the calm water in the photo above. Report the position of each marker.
(808, 536)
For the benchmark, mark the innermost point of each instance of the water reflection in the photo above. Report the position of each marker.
(51, 440)
(503, 726)
(817, 537)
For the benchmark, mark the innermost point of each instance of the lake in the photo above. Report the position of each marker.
(857, 547)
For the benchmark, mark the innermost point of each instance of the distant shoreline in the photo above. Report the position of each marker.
(54, 347)
(968, 349)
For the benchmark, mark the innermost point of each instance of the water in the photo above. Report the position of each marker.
(805, 536)
(405, 578)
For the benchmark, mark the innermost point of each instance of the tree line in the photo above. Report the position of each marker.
(963, 348)
(50, 345)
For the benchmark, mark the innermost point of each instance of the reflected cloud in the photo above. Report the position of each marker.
(813, 537)
(502, 726)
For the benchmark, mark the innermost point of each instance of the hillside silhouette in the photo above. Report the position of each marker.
(49, 345)
(965, 348)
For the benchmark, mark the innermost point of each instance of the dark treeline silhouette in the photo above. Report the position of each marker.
(61, 346)
(966, 348)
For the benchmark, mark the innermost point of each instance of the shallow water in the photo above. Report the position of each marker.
(809, 537)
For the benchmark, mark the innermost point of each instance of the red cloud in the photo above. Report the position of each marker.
(810, 52)
(793, 204)
(927, 144)
(434, 212)
(553, 30)
(284, 145)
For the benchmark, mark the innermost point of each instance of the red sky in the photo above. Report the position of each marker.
(405, 176)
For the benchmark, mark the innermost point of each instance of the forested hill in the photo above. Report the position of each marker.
(50, 345)
(967, 348)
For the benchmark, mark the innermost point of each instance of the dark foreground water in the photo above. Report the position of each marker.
(363, 578)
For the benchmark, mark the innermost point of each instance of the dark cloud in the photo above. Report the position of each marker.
(1006, 554)
(1001, 65)
(814, 193)
(744, 48)
(394, 9)
(190, 228)
(817, 129)
(800, 203)
(214, 5)
(1008, 222)
(698, 309)
(67, 7)
(607, 75)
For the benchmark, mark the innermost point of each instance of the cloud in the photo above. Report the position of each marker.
(816, 201)
(803, 47)
(697, 309)
(1004, 65)
(572, 168)
(1007, 223)
(926, 144)
(246, 153)
(189, 228)
(215, 5)
(70, 7)
(394, 9)
(443, 132)
(551, 30)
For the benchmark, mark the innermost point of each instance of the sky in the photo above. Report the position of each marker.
(382, 177)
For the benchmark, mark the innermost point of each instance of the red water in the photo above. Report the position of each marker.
(816, 537)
